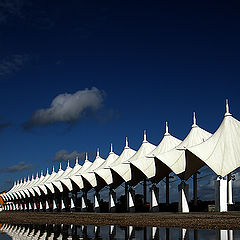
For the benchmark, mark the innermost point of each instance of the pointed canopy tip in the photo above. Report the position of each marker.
(86, 156)
(111, 148)
(227, 109)
(98, 154)
(194, 120)
(166, 130)
(76, 161)
(60, 166)
(68, 165)
(126, 143)
(144, 136)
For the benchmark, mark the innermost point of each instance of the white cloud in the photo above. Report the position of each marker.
(21, 166)
(63, 155)
(68, 108)
(13, 63)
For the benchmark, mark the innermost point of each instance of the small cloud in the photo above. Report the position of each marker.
(21, 166)
(12, 64)
(68, 108)
(63, 155)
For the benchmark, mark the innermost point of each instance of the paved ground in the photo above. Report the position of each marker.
(211, 220)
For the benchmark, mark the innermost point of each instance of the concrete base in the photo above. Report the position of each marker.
(84, 203)
(63, 207)
(112, 201)
(183, 189)
(54, 206)
(154, 198)
(130, 200)
(96, 202)
(47, 206)
(229, 189)
(221, 195)
(72, 206)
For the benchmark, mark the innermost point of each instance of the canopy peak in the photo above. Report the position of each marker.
(60, 166)
(98, 152)
(86, 156)
(144, 136)
(194, 120)
(227, 109)
(166, 129)
(47, 172)
(111, 148)
(76, 161)
(68, 165)
(53, 170)
(126, 142)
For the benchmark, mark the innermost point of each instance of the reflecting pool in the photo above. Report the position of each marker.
(52, 231)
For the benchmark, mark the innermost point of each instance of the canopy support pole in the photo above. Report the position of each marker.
(220, 194)
(84, 202)
(72, 205)
(229, 189)
(54, 205)
(145, 192)
(183, 197)
(96, 202)
(131, 200)
(63, 207)
(154, 207)
(112, 200)
(167, 190)
(195, 189)
(47, 206)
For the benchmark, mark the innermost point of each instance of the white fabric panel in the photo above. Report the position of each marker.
(58, 185)
(175, 158)
(67, 182)
(124, 169)
(78, 180)
(221, 152)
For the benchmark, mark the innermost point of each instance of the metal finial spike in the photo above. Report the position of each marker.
(41, 173)
(28, 178)
(53, 169)
(194, 120)
(98, 152)
(60, 166)
(111, 148)
(47, 172)
(227, 106)
(76, 162)
(126, 143)
(227, 109)
(166, 129)
(86, 157)
(68, 164)
(32, 177)
(37, 175)
(145, 136)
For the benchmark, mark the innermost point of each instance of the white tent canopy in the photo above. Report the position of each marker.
(124, 169)
(88, 176)
(57, 181)
(66, 179)
(92, 178)
(147, 164)
(221, 152)
(106, 173)
(175, 159)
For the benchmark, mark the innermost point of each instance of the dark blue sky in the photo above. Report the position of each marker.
(150, 61)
